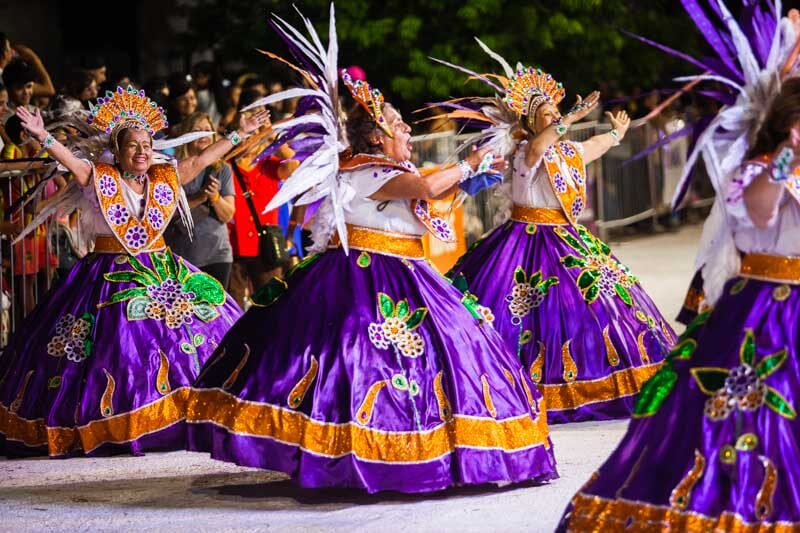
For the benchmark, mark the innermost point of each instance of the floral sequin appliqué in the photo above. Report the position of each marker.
(398, 327)
(600, 272)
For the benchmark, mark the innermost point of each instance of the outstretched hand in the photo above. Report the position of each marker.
(498, 164)
(582, 108)
(32, 122)
(619, 121)
(255, 121)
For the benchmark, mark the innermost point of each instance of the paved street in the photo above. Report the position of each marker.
(182, 491)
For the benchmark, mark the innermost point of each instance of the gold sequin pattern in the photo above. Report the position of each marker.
(618, 384)
(445, 412)
(596, 514)
(570, 373)
(642, 348)
(538, 364)
(509, 376)
(107, 400)
(298, 392)
(15, 405)
(235, 374)
(747, 442)
(767, 491)
(781, 293)
(693, 299)
(538, 215)
(527, 389)
(776, 268)
(106, 244)
(487, 396)
(364, 413)
(611, 353)
(382, 242)
(162, 378)
(682, 493)
(336, 440)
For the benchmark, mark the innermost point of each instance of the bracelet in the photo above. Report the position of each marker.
(561, 128)
(215, 199)
(234, 137)
(466, 170)
(779, 172)
(616, 136)
(48, 141)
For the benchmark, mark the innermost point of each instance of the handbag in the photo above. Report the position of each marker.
(271, 241)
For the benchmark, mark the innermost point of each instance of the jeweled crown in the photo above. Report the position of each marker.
(369, 98)
(127, 108)
(529, 88)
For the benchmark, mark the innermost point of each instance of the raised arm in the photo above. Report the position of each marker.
(34, 125)
(543, 140)
(191, 166)
(44, 87)
(435, 185)
(598, 145)
(763, 196)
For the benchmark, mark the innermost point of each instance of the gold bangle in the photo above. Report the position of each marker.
(215, 199)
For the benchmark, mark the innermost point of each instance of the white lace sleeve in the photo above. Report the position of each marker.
(734, 195)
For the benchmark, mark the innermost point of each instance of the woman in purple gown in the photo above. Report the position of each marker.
(582, 325)
(104, 363)
(363, 368)
(715, 442)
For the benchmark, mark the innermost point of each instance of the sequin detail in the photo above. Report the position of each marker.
(642, 348)
(487, 396)
(445, 412)
(107, 400)
(162, 378)
(766, 493)
(398, 327)
(364, 260)
(781, 293)
(570, 368)
(528, 292)
(682, 493)
(17, 403)
(611, 353)
(299, 391)
(538, 364)
(527, 389)
(364, 413)
(509, 376)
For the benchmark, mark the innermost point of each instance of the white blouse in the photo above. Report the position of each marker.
(530, 186)
(782, 237)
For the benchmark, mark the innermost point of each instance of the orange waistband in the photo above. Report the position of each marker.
(382, 242)
(107, 244)
(538, 215)
(778, 268)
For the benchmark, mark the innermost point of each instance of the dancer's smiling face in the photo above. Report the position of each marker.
(544, 115)
(399, 146)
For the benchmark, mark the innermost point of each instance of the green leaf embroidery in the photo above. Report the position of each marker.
(187, 348)
(624, 295)
(587, 278)
(205, 287)
(779, 404)
(199, 339)
(416, 318)
(402, 309)
(655, 392)
(699, 320)
(205, 312)
(525, 337)
(137, 308)
(536, 278)
(172, 265)
(159, 265)
(139, 267)
(770, 364)
(470, 302)
(269, 293)
(710, 379)
(386, 305)
(460, 283)
(592, 294)
(124, 276)
(747, 351)
(520, 276)
(684, 350)
(570, 261)
(546, 284)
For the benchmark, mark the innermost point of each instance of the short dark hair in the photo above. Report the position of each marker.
(360, 127)
(249, 83)
(14, 129)
(18, 73)
(179, 87)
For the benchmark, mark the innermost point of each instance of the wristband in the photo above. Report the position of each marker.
(561, 128)
(234, 137)
(215, 198)
(466, 170)
(779, 172)
(48, 141)
(616, 136)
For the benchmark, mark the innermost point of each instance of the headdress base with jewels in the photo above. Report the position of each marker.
(126, 108)
(529, 88)
(369, 98)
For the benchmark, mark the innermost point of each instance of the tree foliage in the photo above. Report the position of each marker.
(578, 41)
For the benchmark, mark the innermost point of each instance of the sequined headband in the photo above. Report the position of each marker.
(369, 98)
(126, 109)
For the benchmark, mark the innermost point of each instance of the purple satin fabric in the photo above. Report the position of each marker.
(326, 312)
(563, 315)
(658, 451)
(130, 351)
